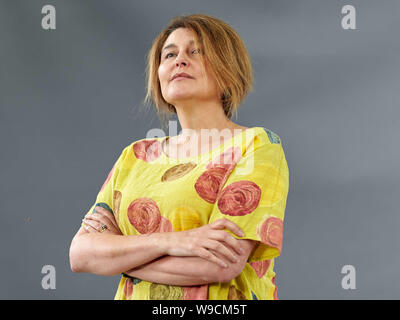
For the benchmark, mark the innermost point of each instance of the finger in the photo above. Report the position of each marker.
(219, 256)
(88, 228)
(108, 214)
(92, 223)
(84, 226)
(99, 218)
(228, 224)
(97, 222)
(222, 249)
(228, 240)
(103, 220)
(207, 255)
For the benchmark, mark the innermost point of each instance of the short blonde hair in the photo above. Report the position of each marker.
(224, 51)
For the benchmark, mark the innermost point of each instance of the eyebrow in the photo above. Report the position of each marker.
(173, 45)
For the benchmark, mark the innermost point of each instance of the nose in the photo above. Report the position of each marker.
(179, 63)
(181, 60)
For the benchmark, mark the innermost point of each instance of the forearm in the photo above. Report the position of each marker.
(180, 271)
(106, 254)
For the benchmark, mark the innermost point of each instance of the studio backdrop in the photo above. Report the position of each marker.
(326, 81)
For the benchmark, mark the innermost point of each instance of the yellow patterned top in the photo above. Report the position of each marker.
(245, 179)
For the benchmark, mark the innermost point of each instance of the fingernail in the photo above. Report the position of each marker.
(241, 233)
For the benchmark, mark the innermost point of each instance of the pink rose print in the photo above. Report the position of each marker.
(195, 292)
(165, 225)
(260, 267)
(144, 215)
(227, 159)
(147, 150)
(212, 180)
(209, 183)
(276, 289)
(128, 288)
(271, 232)
(239, 198)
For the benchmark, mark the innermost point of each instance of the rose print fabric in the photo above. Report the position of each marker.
(245, 179)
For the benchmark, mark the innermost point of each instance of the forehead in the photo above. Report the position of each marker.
(180, 36)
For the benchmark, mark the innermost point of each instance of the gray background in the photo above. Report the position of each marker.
(71, 100)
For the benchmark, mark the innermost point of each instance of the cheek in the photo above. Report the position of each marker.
(209, 76)
(211, 83)
(162, 73)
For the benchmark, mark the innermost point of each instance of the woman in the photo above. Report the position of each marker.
(203, 226)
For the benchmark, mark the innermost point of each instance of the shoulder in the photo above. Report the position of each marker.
(265, 136)
(273, 137)
(264, 150)
(147, 149)
(261, 140)
(128, 150)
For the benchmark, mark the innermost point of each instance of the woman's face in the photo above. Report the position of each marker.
(179, 54)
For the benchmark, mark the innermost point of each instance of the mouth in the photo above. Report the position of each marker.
(181, 78)
(181, 75)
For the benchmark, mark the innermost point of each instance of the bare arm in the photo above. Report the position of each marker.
(110, 254)
(164, 271)
(190, 271)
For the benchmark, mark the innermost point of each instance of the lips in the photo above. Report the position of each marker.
(181, 75)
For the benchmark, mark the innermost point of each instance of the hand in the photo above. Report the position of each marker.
(94, 221)
(195, 242)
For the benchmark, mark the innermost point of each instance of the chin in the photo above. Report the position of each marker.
(177, 96)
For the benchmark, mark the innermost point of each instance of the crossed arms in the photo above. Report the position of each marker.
(173, 258)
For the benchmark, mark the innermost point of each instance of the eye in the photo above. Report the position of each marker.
(196, 51)
(168, 54)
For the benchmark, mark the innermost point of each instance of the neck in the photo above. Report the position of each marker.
(206, 115)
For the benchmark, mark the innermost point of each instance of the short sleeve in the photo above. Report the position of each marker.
(254, 197)
(106, 195)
